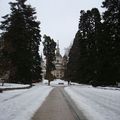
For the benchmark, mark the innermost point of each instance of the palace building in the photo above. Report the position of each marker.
(60, 64)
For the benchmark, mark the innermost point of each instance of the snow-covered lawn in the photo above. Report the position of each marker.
(59, 82)
(8, 85)
(96, 103)
(22, 104)
(56, 82)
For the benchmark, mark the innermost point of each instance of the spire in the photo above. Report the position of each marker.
(58, 49)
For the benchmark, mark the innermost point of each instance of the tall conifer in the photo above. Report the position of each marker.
(21, 36)
(112, 40)
(49, 52)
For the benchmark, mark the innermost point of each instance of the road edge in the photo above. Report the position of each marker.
(75, 110)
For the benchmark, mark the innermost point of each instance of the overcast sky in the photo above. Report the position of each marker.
(59, 18)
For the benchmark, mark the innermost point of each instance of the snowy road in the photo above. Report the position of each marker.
(96, 104)
(57, 107)
(21, 104)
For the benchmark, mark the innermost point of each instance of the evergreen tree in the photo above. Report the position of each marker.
(83, 65)
(111, 67)
(71, 73)
(97, 45)
(86, 47)
(3, 62)
(94, 55)
(49, 52)
(21, 36)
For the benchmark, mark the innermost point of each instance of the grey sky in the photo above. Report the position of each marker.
(59, 18)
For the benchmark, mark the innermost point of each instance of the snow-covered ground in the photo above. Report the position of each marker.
(96, 103)
(7, 85)
(101, 103)
(59, 82)
(56, 82)
(22, 104)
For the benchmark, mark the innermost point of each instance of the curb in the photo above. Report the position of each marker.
(75, 110)
(6, 89)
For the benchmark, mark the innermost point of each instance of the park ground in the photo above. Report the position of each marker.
(100, 103)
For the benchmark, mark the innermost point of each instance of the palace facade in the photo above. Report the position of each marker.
(60, 64)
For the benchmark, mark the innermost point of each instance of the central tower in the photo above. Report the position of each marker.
(59, 69)
(58, 49)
